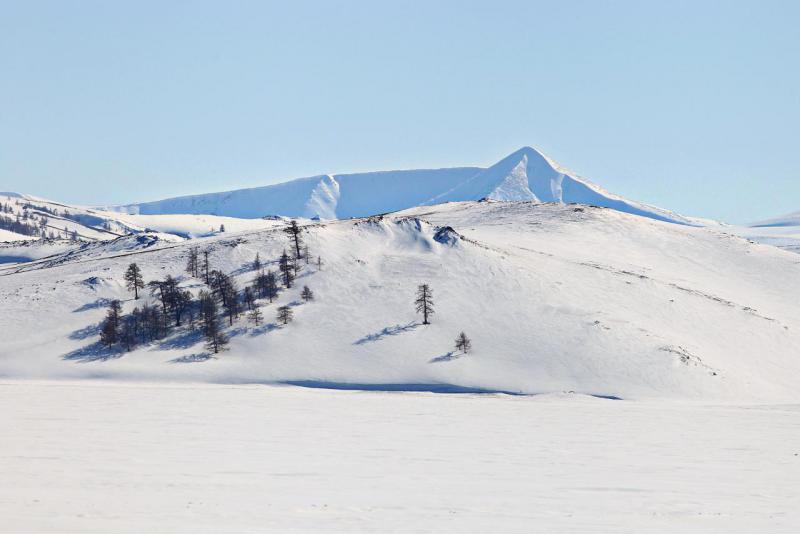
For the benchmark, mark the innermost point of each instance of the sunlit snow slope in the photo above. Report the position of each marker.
(554, 297)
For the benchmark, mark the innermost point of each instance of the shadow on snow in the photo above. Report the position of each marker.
(99, 303)
(194, 358)
(388, 331)
(183, 340)
(448, 357)
(95, 352)
(425, 388)
(86, 332)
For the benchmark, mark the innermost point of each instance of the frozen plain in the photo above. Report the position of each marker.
(211, 458)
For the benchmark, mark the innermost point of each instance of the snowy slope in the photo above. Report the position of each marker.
(327, 197)
(7, 235)
(193, 226)
(782, 232)
(92, 225)
(63, 219)
(524, 175)
(555, 298)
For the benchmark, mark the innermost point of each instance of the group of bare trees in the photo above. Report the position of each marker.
(29, 224)
(176, 307)
(32, 220)
(18, 225)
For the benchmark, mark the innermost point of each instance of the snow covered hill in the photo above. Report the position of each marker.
(555, 298)
(525, 175)
(55, 220)
(782, 232)
(791, 219)
(45, 229)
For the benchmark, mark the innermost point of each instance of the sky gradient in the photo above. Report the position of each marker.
(692, 106)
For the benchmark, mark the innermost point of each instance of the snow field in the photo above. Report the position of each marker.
(97, 457)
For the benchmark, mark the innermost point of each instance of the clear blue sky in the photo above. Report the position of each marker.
(693, 106)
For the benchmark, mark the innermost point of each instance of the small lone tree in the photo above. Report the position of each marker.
(285, 314)
(307, 294)
(134, 280)
(424, 302)
(463, 343)
(319, 263)
(257, 263)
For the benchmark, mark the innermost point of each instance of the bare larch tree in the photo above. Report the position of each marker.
(424, 302)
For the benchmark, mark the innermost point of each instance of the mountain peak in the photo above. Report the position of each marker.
(528, 150)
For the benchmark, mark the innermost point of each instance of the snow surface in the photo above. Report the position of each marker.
(525, 175)
(131, 458)
(555, 298)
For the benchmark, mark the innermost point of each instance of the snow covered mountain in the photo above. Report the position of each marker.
(555, 298)
(525, 175)
(328, 196)
(529, 175)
